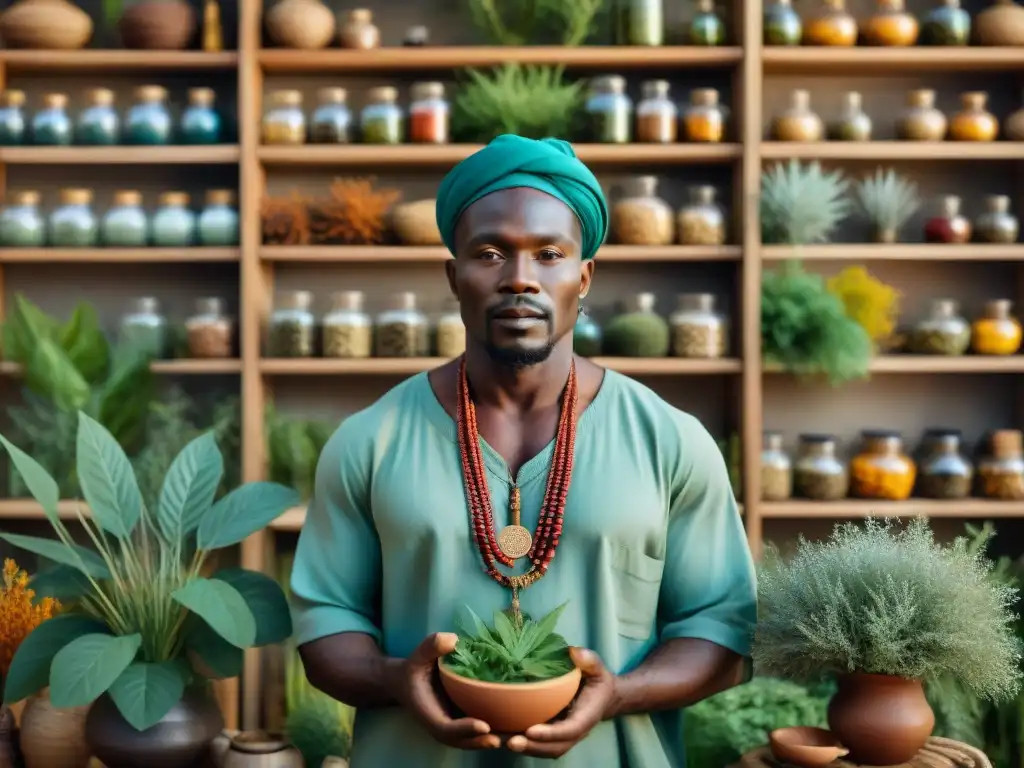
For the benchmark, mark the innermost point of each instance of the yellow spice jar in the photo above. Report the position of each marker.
(882, 470)
(891, 25)
(974, 122)
(996, 332)
(832, 25)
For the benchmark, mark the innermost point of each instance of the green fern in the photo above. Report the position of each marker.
(802, 204)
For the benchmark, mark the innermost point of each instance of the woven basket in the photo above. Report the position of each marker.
(938, 753)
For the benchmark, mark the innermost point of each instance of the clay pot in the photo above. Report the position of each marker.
(359, 31)
(798, 122)
(54, 25)
(157, 25)
(891, 25)
(303, 24)
(220, 746)
(1002, 23)
(921, 121)
(805, 747)
(511, 707)
(256, 749)
(881, 719)
(52, 737)
(415, 223)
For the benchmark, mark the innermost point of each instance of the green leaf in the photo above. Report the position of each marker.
(223, 659)
(190, 486)
(265, 599)
(50, 373)
(247, 509)
(85, 560)
(38, 481)
(222, 607)
(83, 341)
(30, 668)
(107, 480)
(144, 692)
(84, 669)
(62, 582)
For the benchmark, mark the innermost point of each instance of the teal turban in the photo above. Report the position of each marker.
(548, 165)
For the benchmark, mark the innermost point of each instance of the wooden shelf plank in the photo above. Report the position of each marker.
(881, 61)
(74, 62)
(897, 252)
(893, 150)
(186, 367)
(405, 253)
(278, 60)
(109, 255)
(221, 154)
(408, 366)
(29, 509)
(856, 508)
(964, 364)
(292, 520)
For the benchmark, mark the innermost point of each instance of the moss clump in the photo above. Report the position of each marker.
(316, 730)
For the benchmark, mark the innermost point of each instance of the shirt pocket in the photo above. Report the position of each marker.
(637, 587)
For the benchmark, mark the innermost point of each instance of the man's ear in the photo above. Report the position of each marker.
(586, 276)
(449, 270)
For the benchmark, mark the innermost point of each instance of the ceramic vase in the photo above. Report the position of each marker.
(1002, 23)
(302, 24)
(52, 737)
(158, 25)
(45, 25)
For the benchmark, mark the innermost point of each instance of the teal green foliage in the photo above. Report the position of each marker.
(293, 447)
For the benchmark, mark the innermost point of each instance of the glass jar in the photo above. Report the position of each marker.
(359, 32)
(200, 122)
(890, 25)
(402, 330)
(974, 122)
(853, 123)
(831, 25)
(798, 122)
(174, 225)
(586, 335)
(640, 217)
(943, 332)
(701, 221)
(997, 224)
(921, 120)
(949, 226)
(882, 470)
(428, 114)
(148, 121)
(451, 331)
(946, 24)
(657, 118)
(292, 327)
(945, 473)
(609, 111)
(1013, 125)
(144, 328)
(283, 120)
(125, 224)
(640, 22)
(817, 473)
(98, 125)
(1001, 474)
(382, 120)
(639, 331)
(210, 332)
(347, 329)
(51, 126)
(698, 331)
(12, 118)
(217, 225)
(21, 223)
(782, 24)
(997, 331)
(416, 37)
(72, 224)
(776, 469)
(704, 118)
(706, 26)
(331, 121)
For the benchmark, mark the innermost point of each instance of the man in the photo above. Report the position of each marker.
(414, 509)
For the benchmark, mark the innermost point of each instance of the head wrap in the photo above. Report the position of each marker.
(548, 165)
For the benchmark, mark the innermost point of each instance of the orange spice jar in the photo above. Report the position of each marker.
(704, 117)
(891, 25)
(997, 331)
(832, 25)
(657, 118)
(428, 114)
(974, 122)
(882, 470)
(798, 122)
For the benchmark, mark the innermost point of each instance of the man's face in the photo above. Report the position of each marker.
(518, 274)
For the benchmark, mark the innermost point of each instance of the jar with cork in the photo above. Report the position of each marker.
(359, 31)
(921, 120)
(943, 332)
(428, 114)
(949, 226)
(347, 329)
(148, 121)
(818, 474)
(945, 472)
(782, 24)
(12, 118)
(51, 126)
(1001, 471)
(21, 223)
(284, 122)
(144, 328)
(974, 122)
(657, 117)
(997, 331)
(125, 224)
(881, 470)
(382, 120)
(217, 225)
(831, 25)
(291, 330)
(98, 124)
(200, 123)
(706, 26)
(639, 216)
(174, 224)
(609, 111)
(997, 224)
(72, 223)
(776, 468)
(704, 118)
(331, 121)
(890, 25)
(798, 122)
(450, 331)
(209, 331)
(698, 330)
(853, 123)
(402, 330)
(701, 221)
(946, 24)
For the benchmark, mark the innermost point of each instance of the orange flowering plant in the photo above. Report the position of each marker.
(143, 623)
(20, 613)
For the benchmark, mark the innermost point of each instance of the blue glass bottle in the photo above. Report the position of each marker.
(218, 222)
(51, 126)
(148, 121)
(98, 125)
(200, 123)
(12, 118)
(173, 225)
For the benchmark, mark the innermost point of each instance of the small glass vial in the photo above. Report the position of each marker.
(450, 331)
(882, 470)
(921, 120)
(200, 123)
(782, 24)
(974, 122)
(817, 473)
(798, 122)
(706, 27)
(946, 24)
(144, 328)
(98, 125)
(997, 331)
(698, 331)
(776, 469)
(148, 121)
(382, 120)
(347, 329)
(997, 224)
(416, 37)
(217, 225)
(359, 31)
(292, 327)
(640, 22)
(657, 117)
(704, 118)
(402, 330)
(853, 123)
(174, 225)
(945, 472)
(210, 332)
(125, 224)
(72, 224)
(331, 121)
(1001, 473)
(284, 121)
(51, 126)
(701, 221)
(640, 216)
(949, 226)
(12, 118)
(586, 335)
(943, 332)
(609, 111)
(428, 114)
(21, 223)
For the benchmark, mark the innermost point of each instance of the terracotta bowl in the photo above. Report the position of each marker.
(511, 707)
(806, 747)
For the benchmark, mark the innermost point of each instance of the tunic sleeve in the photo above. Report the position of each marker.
(336, 577)
(709, 587)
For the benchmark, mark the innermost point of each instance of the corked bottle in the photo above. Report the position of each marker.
(200, 122)
(284, 121)
(217, 225)
(974, 122)
(347, 330)
(609, 111)
(144, 328)
(701, 221)
(21, 223)
(704, 118)
(946, 24)
(706, 26)
(210, 333)
(997, 224)
(359, 31)
(51, 126)
(776, 469)
(949, 226)
(945, 473)
(12, 118)
(698, 330)
(1001, 473)
(853, 123)
(890, 25)
(921, 120)
(72, 224)
(640, 217)
(881, 470)
(798, 122)
(148, 121)
(831, 25)
(173, 224)
(657, 117)
(997, 331)
(943, 332)
(291, 331)
(428, 114)
(331, 121)
(450, 331)
(402, 330)
(125, 224)
(98, 125)
(782, 24)
(382, 121)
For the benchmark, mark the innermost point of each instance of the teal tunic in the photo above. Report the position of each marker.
(653, 548)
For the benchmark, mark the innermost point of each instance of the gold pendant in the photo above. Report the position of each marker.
(515, 541)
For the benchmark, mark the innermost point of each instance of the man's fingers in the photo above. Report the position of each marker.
(433, 648)
(589, 663)
(586, 712)
(525, 746)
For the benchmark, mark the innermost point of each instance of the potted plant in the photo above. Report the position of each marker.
(512, 675)
(147, 628)
(885, 610)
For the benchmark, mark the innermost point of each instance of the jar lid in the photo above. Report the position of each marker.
(1007, 442)
(403, 300)
(76, 196)
(360, 15)
(382, 93)
(25, 197)
(202, 97)
(703, 193)
(220, 197)
(417, 35)
(295, 299)
(933, 432)
(427, 91)
(655, 89)
(349, 301)
(642, 302)
(974, 99)
(209, 305)
(12, 97)
(146, 305)
(816, 438)
(880, 434)
(100, 97)
(175, 198)
(151, 93)
(704, 97)
(289, 98)
(921, 97)
(332, 95)
(610, 83)
(128, 197)
(55, 100)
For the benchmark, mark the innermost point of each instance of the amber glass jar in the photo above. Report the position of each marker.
(657, 117)
(997, 224)
(949, 226)
(704, 117)
(997, 331)
(974, 122)
(890, 25)
(853, 123)
(831, 25)
(882, 470)
(798, 122)
(1001, 472)
(921, 120)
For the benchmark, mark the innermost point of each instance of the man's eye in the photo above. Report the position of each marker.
(550, 253)
(489, 255)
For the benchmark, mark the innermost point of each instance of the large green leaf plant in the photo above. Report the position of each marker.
(145, 622)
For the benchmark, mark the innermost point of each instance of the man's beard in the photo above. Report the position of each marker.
(519, 358)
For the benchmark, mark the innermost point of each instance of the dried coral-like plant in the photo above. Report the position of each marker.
(286, 220)
(355, 213)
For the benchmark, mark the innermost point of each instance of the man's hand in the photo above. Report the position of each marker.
(593, 705)
(415, 688)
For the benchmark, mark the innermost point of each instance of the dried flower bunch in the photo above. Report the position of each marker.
(285, 220)
(354, 212)
(872, 303)
(887, 200)
(20, 613)
(801, 203)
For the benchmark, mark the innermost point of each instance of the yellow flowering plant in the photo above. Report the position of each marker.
(145, 622)
(873, 304)
(20, 613)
